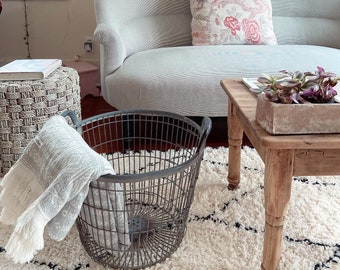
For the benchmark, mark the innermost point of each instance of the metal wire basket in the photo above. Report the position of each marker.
(138, 217)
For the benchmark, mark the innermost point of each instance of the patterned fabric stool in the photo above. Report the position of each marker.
(26, 105)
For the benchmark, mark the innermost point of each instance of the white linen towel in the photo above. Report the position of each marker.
(105, 213)
(47, 186)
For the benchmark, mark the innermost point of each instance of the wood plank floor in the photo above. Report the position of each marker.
(218, 136)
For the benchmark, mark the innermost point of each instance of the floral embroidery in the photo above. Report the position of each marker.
(232, 24)
(252, 31)
(216, 22)
(195, 34)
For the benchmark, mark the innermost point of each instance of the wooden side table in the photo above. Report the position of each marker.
(283, 156)
(26, 105)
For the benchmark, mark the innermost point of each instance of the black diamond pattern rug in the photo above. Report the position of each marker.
(225, 229)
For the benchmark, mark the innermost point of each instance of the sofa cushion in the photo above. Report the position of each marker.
(232, 22)
(186, 79)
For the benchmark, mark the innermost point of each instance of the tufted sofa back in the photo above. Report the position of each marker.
(145, 24)
(312, 22)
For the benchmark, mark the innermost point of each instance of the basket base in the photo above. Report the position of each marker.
(154, 233)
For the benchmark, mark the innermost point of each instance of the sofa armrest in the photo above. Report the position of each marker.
(113, 46)
(112, 51)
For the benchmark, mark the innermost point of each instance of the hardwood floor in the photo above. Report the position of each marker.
(91, 106)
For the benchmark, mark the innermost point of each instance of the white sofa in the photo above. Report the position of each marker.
(147, 60)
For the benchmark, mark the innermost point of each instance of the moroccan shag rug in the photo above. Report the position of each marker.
(226, 228)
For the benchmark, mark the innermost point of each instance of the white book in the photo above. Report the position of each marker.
(253, 84)
(28, 69)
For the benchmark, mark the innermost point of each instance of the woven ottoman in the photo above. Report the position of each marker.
(26, 105)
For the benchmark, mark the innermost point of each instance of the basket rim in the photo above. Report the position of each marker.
(130, 178)
(204, 130)
(137, 111)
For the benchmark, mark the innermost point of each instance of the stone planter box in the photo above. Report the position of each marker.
(305, 118)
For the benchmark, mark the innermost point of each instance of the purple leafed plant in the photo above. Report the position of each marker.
(295, 87)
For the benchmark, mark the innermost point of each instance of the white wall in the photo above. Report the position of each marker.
(57, 29)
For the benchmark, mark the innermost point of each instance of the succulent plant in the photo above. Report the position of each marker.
(295, 87)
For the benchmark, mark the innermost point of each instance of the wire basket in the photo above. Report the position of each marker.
(138, 217)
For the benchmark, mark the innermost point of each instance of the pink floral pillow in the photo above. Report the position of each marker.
(216, 22)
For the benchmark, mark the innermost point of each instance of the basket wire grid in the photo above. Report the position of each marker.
(138, 217)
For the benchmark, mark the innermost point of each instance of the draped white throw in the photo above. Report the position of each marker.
(47, 186)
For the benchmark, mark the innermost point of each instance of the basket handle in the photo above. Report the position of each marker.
(205, 130)
(75, 120)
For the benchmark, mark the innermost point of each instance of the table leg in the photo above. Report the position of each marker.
(277, 190)
(235, 134)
